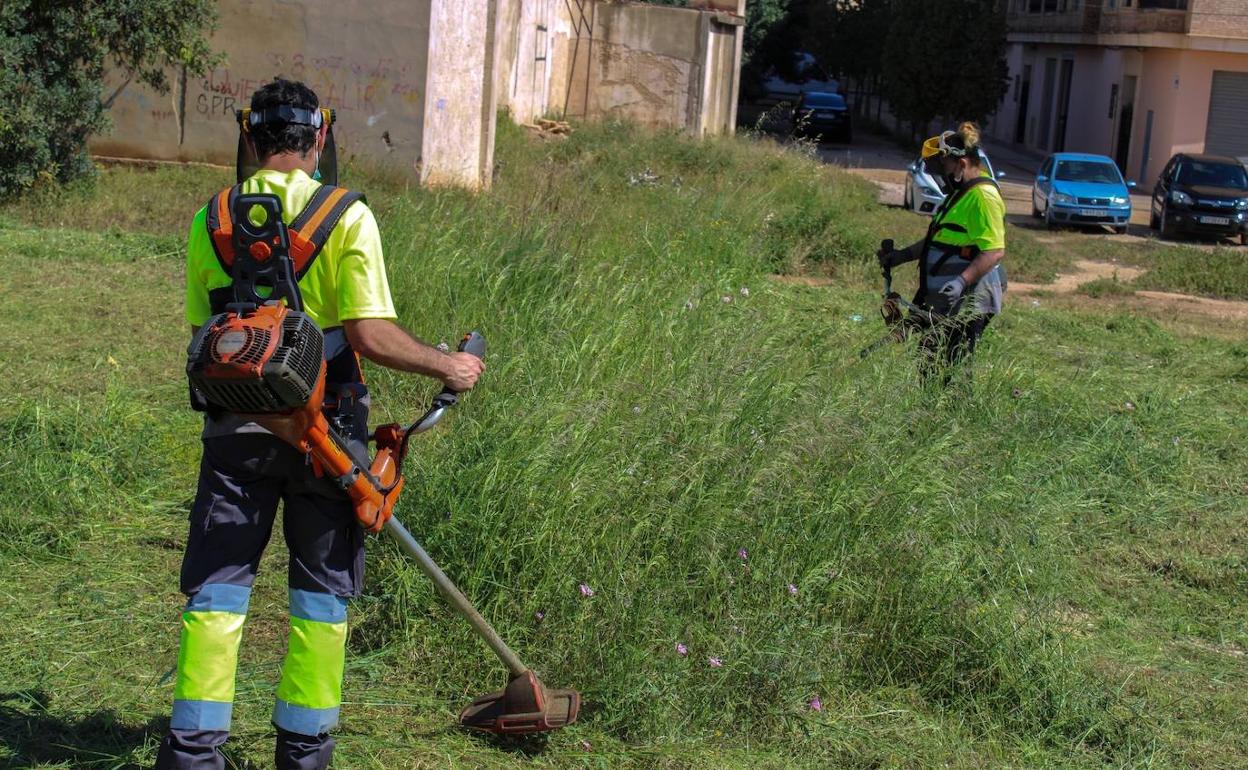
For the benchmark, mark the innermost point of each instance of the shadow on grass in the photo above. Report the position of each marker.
(31, 735)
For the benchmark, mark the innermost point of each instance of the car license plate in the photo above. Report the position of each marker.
(1092, 212)
(1214, 221)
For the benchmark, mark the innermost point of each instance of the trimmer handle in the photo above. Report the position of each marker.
(473, 344)
(887, 247)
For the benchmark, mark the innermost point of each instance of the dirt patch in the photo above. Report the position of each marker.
(1163, 302)
(1085, 271)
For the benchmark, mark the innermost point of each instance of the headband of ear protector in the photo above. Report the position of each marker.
(247, 163)
(939, 146)
(284, 114)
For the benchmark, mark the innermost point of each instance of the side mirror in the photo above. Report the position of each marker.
(1131, 185)
(912, 167)
(1000, 175)
(1041, 178)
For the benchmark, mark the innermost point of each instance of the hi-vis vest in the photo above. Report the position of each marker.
(346, 396)
(942, 262)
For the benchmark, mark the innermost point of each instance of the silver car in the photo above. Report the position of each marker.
(922, 195)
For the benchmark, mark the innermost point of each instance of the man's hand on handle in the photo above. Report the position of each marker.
(384, 342)
(462, 371)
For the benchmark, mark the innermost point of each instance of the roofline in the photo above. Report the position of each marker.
(1172, 40)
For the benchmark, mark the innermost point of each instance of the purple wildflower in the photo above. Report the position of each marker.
(816, 704)
(792, 589)
(586, 591)
(681, 649)
(539, 616)
(587, 745)
(743, 554)
(715, 662)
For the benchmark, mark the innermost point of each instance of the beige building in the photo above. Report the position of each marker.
(1137, 80)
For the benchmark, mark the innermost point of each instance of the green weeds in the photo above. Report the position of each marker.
(980, 578)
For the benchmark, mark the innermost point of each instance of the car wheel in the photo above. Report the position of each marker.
(1153, 222)
(907, 200)
(1165, 230)
(1048, 217)
(1035, 212)
(1121, 230)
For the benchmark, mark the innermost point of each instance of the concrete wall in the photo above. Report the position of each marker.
(656, 66)
(527, 34)
(370, 61)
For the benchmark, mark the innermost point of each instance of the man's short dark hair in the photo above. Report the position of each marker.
(274, 138)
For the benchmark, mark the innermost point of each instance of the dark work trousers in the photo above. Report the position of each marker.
(947, 347)
(242, 478)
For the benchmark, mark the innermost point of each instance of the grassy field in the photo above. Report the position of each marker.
(1045, 571)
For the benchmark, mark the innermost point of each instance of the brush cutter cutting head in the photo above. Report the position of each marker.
(525, 706)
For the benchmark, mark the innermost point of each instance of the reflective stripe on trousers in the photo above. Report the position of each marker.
(310, 692)
(212, 629)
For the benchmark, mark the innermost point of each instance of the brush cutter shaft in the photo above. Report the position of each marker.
(408, 543)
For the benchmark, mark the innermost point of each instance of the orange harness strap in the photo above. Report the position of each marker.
(308, 232)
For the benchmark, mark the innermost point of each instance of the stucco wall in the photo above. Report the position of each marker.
(1177, 86)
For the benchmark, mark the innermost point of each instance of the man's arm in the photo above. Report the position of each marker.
(901, 256)
(980, 266)
(384, 342)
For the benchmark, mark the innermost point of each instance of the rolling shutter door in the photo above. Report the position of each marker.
(1227, 131)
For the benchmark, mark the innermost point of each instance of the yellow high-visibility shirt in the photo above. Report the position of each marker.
(347, 281)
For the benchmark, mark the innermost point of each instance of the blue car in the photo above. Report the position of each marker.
(1075, 188)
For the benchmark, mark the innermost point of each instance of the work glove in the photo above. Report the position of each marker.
(952, 291)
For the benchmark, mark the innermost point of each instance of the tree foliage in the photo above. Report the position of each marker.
(944, 60)
(53, 55)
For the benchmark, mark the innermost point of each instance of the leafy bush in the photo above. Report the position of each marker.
(53, 55)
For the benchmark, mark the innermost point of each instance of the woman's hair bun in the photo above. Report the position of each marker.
(969, 133)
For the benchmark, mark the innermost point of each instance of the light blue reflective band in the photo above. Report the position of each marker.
(304, 721)
(201, 715)
(220, 597)
(322, 608)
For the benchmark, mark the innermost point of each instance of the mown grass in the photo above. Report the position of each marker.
(1040, 573)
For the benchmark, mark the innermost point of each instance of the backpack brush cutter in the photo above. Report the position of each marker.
(263, 359)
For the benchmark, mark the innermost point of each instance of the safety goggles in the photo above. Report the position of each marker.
(938, 146)
(248, 118)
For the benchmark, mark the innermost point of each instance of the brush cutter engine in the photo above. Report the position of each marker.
(263, 360)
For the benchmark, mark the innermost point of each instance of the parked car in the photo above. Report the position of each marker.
(823, 116)
(1202, 195)
(922, 194)
(1075, 188)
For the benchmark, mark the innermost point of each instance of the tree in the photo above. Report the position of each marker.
(945, 60)
(53, 55)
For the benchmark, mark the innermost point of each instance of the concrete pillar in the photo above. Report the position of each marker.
(457, 146)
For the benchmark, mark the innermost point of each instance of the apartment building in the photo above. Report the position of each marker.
(1137, 80)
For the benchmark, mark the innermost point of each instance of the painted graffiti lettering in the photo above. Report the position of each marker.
(214, 105)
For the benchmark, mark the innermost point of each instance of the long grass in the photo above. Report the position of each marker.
(667, 424)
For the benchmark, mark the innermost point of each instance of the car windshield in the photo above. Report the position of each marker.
(1087, 171)
(1197, 173)
(829, 101)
